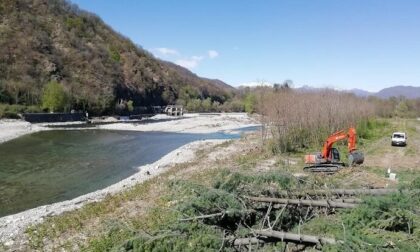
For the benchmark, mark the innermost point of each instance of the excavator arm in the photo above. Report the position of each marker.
(338, 136)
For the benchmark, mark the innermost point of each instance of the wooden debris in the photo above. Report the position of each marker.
(221, 214)
(338, 192)
(299, 238)
(247, 241)
(352, 200)
(207, 216)
(312, 203)
(264, 236)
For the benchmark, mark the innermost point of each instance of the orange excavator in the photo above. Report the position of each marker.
(329, 159)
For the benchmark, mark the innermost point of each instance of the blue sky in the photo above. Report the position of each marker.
(368, 44)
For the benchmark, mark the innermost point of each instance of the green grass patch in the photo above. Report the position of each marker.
(404, 175)
(249, 160)
(410, 150)
(372, 129)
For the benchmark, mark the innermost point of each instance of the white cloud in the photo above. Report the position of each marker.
(197, 58)
(166, 51)
(255, 84)
(191, 62)
(213, 54)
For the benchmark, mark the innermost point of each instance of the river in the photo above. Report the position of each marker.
(52, 166)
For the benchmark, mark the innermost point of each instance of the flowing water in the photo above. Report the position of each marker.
(52, 166)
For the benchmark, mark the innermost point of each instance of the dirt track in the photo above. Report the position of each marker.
(381, 154)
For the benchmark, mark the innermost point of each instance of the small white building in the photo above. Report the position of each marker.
(174, 110)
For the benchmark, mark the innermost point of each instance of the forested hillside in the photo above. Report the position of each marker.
(44, 41)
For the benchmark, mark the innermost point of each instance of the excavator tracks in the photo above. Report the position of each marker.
(324, 168)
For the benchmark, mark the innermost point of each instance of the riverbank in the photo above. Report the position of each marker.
(10, 129)
(189, 123)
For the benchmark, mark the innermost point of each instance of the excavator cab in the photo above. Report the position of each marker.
(334, 156)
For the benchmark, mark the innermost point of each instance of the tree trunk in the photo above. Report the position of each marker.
(339, 192)
(264, 235)
(300, 238)
(313, 203)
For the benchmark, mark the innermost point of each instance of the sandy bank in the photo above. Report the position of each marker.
(10, 129)
(189, 123)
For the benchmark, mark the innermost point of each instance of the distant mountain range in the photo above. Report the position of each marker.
(409, 92)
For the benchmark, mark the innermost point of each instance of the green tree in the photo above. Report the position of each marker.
(168, 96)
(206, 105)
(250, 102)
(54, 97)
(114, 54)
(402, 109)
(188, 93)
(216, 106)
(194, 105)
(130, 106)
(236, 105)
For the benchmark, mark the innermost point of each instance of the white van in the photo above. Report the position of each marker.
(399, 139)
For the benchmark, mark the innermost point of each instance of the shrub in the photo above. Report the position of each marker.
(206, 105)
(250, 103)
(114, 54)
(371, 128)
(301, 119)
(54, 97)
(130, 106)
(387, 222)
(240, 182)
(194, 105)
(189, 237)
(13, 111)
(163, 229)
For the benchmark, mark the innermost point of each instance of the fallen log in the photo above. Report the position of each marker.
(352, 201)
(247, 241)
(220, 214)
(265, 236)
(203, 217)
(339, 192)
(312, 203)
(299, 238)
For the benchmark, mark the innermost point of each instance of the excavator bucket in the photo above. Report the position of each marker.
(356, 158)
